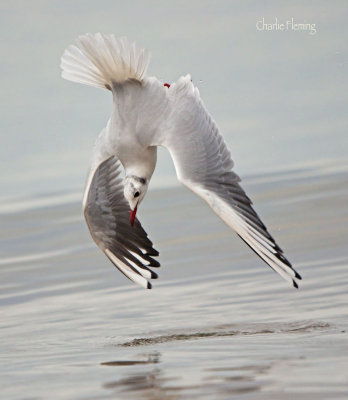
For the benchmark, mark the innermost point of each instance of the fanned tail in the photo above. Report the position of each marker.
(102, 60)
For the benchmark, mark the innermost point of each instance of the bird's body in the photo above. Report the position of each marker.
(147, 113)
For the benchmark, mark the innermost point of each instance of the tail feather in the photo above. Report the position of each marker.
(102, 60)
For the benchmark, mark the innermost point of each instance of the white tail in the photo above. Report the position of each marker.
(102, 60)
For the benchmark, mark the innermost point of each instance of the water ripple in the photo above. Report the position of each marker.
(232, 330)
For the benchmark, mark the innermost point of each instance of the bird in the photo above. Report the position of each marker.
(147, 113)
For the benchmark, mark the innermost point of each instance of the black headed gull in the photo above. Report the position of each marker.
(148, 113)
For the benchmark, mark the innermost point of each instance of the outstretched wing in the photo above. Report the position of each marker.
(107, 215)
(203, 163)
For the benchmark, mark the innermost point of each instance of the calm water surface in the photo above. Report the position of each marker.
(219, 324)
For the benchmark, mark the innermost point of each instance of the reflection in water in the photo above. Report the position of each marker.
(153, 384)
(153, 358)
(145, 384)
(142, 380)
(238, 380)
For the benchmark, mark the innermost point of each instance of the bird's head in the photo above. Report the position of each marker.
(135, 188)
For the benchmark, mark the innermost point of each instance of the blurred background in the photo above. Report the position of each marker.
(278, 97)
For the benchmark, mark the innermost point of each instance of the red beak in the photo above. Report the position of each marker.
(132, 215)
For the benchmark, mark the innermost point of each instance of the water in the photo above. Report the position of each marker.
(219, 324)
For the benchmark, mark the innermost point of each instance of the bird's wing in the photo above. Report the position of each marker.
(107, 215)
(203, 163)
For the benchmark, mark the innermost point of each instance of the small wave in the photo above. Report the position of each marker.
(232, 330)
(43, 255)
(17, 205)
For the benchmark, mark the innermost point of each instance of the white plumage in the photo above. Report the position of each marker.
(146, 114)
(101, 60)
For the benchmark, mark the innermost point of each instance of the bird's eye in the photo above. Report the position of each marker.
(136, 194)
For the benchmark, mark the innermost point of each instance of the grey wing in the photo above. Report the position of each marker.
(107, 215)
(203, 163)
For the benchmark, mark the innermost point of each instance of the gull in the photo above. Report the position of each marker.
(148, 113)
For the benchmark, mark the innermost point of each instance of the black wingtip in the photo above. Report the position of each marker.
(297, 275)
(153, 253)
(154, 263)
(149, 286)
(154, 275)
(295, 284)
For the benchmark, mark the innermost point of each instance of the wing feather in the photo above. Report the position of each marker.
(203, 163)
(107, 215)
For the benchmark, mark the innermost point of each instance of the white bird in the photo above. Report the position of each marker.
(148, 113)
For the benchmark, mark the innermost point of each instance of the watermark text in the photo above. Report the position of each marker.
(287, 25)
